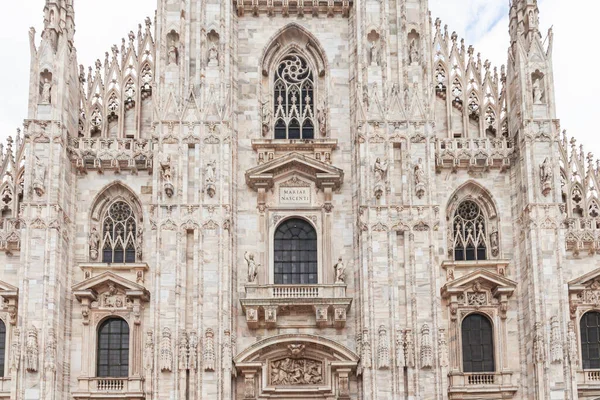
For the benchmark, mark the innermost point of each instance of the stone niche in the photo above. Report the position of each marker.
(296, 366)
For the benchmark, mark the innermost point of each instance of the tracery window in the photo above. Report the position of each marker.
(119, 234)
(590, 340)
(113, 349)
(294, 99)
(2, 348)
(470, 241)
(295, 253)
(477, 344)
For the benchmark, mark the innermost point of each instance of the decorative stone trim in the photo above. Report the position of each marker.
(481, 386)
(114, 388)
(104, 154)
(293, 7)
(473, 154)
(270, 149)
(499, 267)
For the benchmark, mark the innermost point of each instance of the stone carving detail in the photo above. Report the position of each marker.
(172, 55)
(50, 362)
(409, 348)
(209, 350)
(193, 351)
(267, 117)
(572, 343)
(413, 52)
(374, 48)
(39, 177)
(366, 349)
(419, 179)
(183, 350)
(426, 349)
(293, 372)
(94, 242)
(383, 349)
(213, 55)
(149, 352)
(443, 348)
(15, 351)
(166, 352)
(538, 343)
(210, 178)
(46, 92)
(546, 176)
(556, 349)
(32, 351)
(249, 391)
(494, 244)
(340, 271)
(252, 267)
(380, 170)
(538, 90)
(165, 169)
(226, 352)
(112, 298)
(400, 356)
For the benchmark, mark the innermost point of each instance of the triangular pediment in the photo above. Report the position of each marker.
(8, 291)
(487, 279)
(264, 175)
(90, 288)
(585, 281)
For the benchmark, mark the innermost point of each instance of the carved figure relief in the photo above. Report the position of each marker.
(213, 56)
(165, 168)
(209, 178)
(227, 356)
(322, 119)
(494, 243)
(208, 357)
(340, 271)
(193, 350)
(166, 352)
(426, 349)
(39, 177)
(46, 92)
(413, 52)
(572, 342)
(15, 350)
(374, 48)
(94, 243)
(546, 176)
(32, 352)
(556, 349)
(409, 348)
(380, 170)
(538, 90)
(252, 267)
(292, 372)
(443, 348)
(50, 362)
(149, 351)
(183, 350)
(173, 55)
(419, 172)
(366, 349)
(538, 343)
(267, 118)
(383, 349)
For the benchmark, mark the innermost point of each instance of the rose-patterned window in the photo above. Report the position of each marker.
(294, 99)
(469, 231)
(477, 344)
(113, 349)
(119, 234)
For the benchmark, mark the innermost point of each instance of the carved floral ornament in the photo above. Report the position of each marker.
(584, 293)
(292, 364)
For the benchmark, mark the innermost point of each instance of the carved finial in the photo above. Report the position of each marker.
(98, 65)
(454, 37)
(148, 22)
(131, 38)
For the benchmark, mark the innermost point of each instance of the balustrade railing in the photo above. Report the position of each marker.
(110, 385)
(295, 291)
(481, 379)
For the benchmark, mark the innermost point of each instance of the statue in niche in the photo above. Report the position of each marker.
(419, 172)
(94, 242)
(494, 243)
(39, 177)
(546, 176)
(165, 169)
(267, 118)
(538, 94)
(252, 267)
(213, 56)
(340, 271)
(374, 52)
(413, 52)
(46, 91)
(380, 169)
(172, 55)
(209, 177)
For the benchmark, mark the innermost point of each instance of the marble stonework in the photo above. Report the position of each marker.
(412, 146)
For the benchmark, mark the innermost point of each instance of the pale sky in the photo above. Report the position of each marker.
(483, 23)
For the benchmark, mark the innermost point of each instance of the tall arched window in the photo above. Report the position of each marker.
(113, 349)
(294, 99)
(477, 344)
(590, 340)
(295, 253)
(470, 242)
(119, 234)
(2, 347)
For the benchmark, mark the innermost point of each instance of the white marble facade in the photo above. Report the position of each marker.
(149, 194)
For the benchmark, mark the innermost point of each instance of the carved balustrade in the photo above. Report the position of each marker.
(293, 7)
(100, 388)
(484, 384)
(111, 154)
(264, 303)
(473, 153)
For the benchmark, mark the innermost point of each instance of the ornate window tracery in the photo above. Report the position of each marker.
(469, 228)
(590, 340)
(295, 254)
(477, 344)
(113, 349)
(119, 237)
(294, 103)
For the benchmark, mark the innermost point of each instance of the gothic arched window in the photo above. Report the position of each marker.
(113, 349)
(295, 253)
(119, 234)
(590, 340)
(477, 344)
(2, 347)
(294, 99)
(469, 230)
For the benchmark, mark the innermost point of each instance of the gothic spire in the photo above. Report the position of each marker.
(524, 19)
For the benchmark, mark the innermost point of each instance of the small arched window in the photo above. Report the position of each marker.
(119, 234)
(113, 349)
(2, 347)
(477, 344)
(590, 340)
(294, 99)
(295, 253)
(470, 242)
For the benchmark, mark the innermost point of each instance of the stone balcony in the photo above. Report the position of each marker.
(473, 154)
(588, 382)
(293, 7)
(112, 154)
(481, 385)
(5, 386)
(263, 304)
(110, 388)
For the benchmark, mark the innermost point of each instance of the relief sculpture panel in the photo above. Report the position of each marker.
(301, 371)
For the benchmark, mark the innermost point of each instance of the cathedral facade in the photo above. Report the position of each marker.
(296, 199)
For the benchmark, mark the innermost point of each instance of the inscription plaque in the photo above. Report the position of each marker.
(294, 195)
